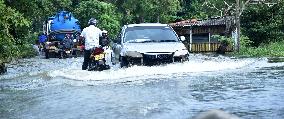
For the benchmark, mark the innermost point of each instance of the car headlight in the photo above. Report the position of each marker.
(133, 54)
(180, 52)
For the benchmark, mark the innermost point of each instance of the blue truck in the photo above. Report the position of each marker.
(58, 28)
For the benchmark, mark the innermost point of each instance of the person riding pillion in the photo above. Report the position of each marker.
(91, 34)
(104, 40)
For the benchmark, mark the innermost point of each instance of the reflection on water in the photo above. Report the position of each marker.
(248, 88)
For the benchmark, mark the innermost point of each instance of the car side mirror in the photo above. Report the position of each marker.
(182, 38)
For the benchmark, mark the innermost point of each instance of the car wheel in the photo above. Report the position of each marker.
(185, 58)
(123, 62)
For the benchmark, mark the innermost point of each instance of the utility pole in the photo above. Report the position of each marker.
(238, 24)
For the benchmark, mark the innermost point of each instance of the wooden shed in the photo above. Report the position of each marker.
(198, 33)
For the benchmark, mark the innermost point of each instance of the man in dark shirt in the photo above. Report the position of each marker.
(104, 40)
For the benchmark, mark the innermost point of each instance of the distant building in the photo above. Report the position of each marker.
(199, 33)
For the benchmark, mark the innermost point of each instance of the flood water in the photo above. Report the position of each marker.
(37, 88)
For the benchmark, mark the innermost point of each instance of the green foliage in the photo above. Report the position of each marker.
(224, 39)
(139, 11)
(264, 24)
(274, 49)
(164, 11)
(203, 9)
(105, 13)
(26, 51)
(10, 22)
(245, 42)
(62, 4)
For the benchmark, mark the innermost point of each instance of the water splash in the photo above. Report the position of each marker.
(194, 65)
(71, 69)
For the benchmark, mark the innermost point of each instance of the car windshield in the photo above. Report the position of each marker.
(142, 34)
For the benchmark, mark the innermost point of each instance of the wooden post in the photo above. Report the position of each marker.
(209, 40)
(190, 39)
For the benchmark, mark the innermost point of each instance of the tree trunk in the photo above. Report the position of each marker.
(141, 19)
(158, 19)
(238, 25)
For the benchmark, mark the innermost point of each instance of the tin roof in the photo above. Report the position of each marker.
(208, 22)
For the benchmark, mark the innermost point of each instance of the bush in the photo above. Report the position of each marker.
(274, 49)
(245, 42)
(224, 39)
(26, 51)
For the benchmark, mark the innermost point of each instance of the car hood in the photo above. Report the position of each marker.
(160, 47)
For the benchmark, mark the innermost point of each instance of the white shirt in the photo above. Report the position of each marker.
(92, 36)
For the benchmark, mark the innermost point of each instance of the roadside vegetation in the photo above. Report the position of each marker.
(21, 20)
(275, 49)
(264, 28)
(13, 42)
(272, 49)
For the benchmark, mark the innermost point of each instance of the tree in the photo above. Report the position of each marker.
(37, 11)
(165, 10)
(10, 19)
(203, 9)
(62, 4)
(151, 10)
(105, 13)
(263, 23)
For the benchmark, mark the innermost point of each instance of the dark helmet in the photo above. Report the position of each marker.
(104, 33)
(92, 21)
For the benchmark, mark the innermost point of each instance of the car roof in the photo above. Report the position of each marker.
(146, 24)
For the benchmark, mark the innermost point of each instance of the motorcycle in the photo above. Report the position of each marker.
(65, 53)
(100, 59)
(67, 49)
(57, 50)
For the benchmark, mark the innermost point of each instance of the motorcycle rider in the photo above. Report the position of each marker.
(105, 43)
(91, 34)
(42, 38)
(104, 40)
(66, 43)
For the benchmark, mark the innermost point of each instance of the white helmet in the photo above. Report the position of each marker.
(92, 21)
(104, 31)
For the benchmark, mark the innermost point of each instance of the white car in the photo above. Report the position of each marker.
(149, 43)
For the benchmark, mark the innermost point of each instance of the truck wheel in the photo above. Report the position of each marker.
(61, 55)
(46, 54)
(123, 62)
(75, 53)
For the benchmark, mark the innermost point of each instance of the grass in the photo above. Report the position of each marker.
(275, 49)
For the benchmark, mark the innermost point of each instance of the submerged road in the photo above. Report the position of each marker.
(36, 88)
